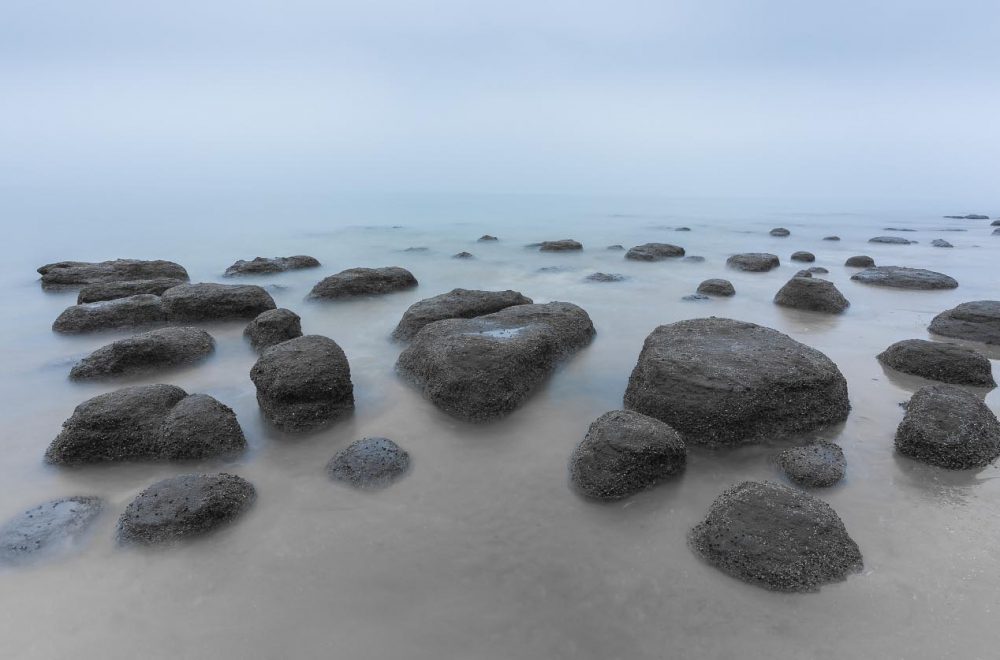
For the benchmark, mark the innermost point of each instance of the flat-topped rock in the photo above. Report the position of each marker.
(803, 256)
(121, 313)
(215, 302)
(860, 261)
(898, 277)
(717, 287)
(149, 351)
(456, 304)
(605, 277)
(891, 240)
(971, 216)
(817, 270)
(52, 528)
(654, 252)
(265, 265)
(941, 243)
(273, 327)
(947, 363)
(564, 245)
(113, 290)
(948, 426)
(831, 238)
(369, 463)
(755, 262)
(79, 273)
(616, 248)
(364, 282)
(819, 465)
(811, 294)
(780, 232)
(978, 320)
(721, 382)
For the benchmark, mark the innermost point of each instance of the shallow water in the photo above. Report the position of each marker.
(482, 550)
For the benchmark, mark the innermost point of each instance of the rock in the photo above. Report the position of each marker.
(456, 304)
(463, 255)
(693, 258)
(52, 528)
(486, 237)
(132, 312)
(183, 507)
(560, 246)
(483, 368)
(369, 463)
(995, 223)
(273, 327)
(860, 261)
(364, 282)
(717, 287)
(605, 277)
(623, 453)
(694, 297)
(972, 321)
(148, 351)
(721, 382)
(215, 302)
(996, 232)
(803, 273)
(264, 265)
(811, 294)
(905, 278)
(818, 270)
(818, 465)
(146, 422)
(654, 252)
(831, 238)
(947, 363)
(897, 229)
(891, 240)
(303, 383)
(683, 229)
(803, 256)
(616, 247)
(78, 273)
(971, 216)
(416, 249)
(949, 427)
(776, 537)
(780, 231)
(940, 242)
(113, 290)
(755, 262)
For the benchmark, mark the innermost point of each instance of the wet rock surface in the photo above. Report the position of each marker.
(971, 216)
(755, 262)
(273, 327)
(818, 465)
(780, 232)
(265, 265)
(776, 537)
(803, 273)
(463, 255)
(485, 238)
(860, 261)
(564, 245)
(831, 238)
(215, 302)
(811, 294)
(948, 426)
(456, 304)
(616, 248)
(947, 363)
(605, 277)
(940, 242)
(898, 277)
(891, 240)
(817, 270)
(369, 463)
(693, 259)
(978, 321)
(364, 282)
(67, 274)
(113, 290)
(52, 528)
(145, 352)
(654, 252)
(121, 313)
(717, 287)
(803, 256)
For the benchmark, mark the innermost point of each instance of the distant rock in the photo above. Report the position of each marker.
(995, 223)
(564, 245)
(369, 463)
(803, 273)
(972, 321)
(215, 302)
(814, 295)
(273, 327)
(121, 313)
(364, 282)
(114, 290)
(456, 304)
(605, 277)
(79, 273)
(817, 270)
(616, 247)
(996, 232)
(755, 262)
(693, 258)
(264, 265)
(717, 287)
(780, 232)
(654, 252)
(145, 352)
(486, 237)
(831, 238)
(860, 261)
(891, 240)
(940, 242)
(463, 255)
(695, 297)
(803, 256)
(818, 465)
(947, 363)
(682, 229)
(897, 229)
(52, 528)
(417, 249)
(948, 426)
(971, 216)
(905, 278)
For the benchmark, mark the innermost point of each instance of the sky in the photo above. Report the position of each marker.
(857, 98)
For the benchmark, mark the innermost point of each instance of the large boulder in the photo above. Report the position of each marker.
(755, 262)
(483, 368)
(303, 383)
(456, 304)
(112, 290)
(891, 240)
(185, 506)
(148, 351)
(264, 265)
(273, 327)
(654, 252)
(818, 465)
(978, 320)
(899, 277)
(120, 313)
(811, 294)
(717, 287)
(364, 282)
(860, 261)
(948, 426)
(939, 361)
(776, 537)
(146, 422)
(623, 453)
(721, 382)
(79, 273)
(48, 529)
(564, 245)
(215, 302)
(369, 463)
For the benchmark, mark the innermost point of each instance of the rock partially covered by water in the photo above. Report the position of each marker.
(264, 265)
(654, 252)
(623, 453)
(811, 294)
(369, 463)
(120, 313)
(818, 465)
(145, 352)
(483, 368)
(940, 242)
(78, 273)
(303, 383)
(183, 507)
(113, 290)
(146, 422)
(721, 382)
(831, 238)
(564, 245)
(273, 327)
(486, 238)
(364, 282)
(456, 304)
(971, 216)
(215, 302)
(616, 248)
(891, 240)
(52, 528)
(605, 277)
(780, 232)
(776, 537)
(717, 287)
(899, 277)
(803, 256)
(948, 426)
(972, 321)
(935, 360)
(755, 262)
(463, 255)
(860, 261)
(817, 270)
(803, 273)
(995, 223)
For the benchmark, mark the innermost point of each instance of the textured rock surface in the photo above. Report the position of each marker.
(456, 304)
(145, 352)
(818, 465)
(120, 313)
(803, 256)
(939, 361)
(818, 270)
(899, 277)
(273, 327)
(605, 277)
(364, 282)
(369, 463)
(79, 273)
(717, 287)
(215, 302)
(654, 252)
(753, 261)
(891, 240)
(563, 245)
(811, 294)
(264, 265)
(780, 232)
(860, 261)
(940, 242)
(978, 320)
(948, 426)
(47, 529)
(112, 290)
(463, 255)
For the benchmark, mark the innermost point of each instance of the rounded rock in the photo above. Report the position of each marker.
(977, 321)
(755, 262)
(79, 273)
(812, 294)
(266, 265)
(52, 528)
(364, 282)
(273, 327)
(947, 363)
(860, 261)
(114, 290)
(780, 232)
(654, 252)
(898, 277)
(456, 304)
(818, 465)
(948, 426)
(564, 245)
(145, 352)
(717, 287)
(215, 302)
(120, 313)
(803, 256)
(369, 463)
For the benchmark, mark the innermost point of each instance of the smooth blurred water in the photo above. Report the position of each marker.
(483, 550)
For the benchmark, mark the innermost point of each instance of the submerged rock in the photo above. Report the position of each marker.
(463, 255)
(264, 265)
(364, 282)
(717, 287)
(369, 463)
(803, 273)
(148, 351)
(891, 240)
(114, 290)
(483, 368)
(120, 313)
(946, 363)
(560, 246)
(978, 320)
(721, 382)
(780, 232)
(694, 297)
(78, 273)
(52, 528)
(776, 537)
(215, 302)
(654, 252)
(995, 223)
(456, 304)
(693, 258)
(940, 242)
(860, 261)
(616, 247)
(818, 465)
(812, 294)
(623, 453)
(183, 507)
(303, 383)
(899, 277)
(831, 238)
(971, 216)
(486, 237)
(273, 327)
(605, 277)
(755, 262)
(818, 270)
(949, 427)
(803, 256)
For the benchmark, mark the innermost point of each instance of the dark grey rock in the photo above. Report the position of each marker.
(776, 537)
(897, 229)
(616, 248)
(995, 223)
(456, 304)
(563, 245)
(145, 352)
(200, 426)
(811, 294)
(120, 313)
(935, 360)
(860, 261)
(721, 382)
(755, 262)
(265, 265)
(996, 232)
(940, 242)
(52, 528)
(780, 232)
(113, 290)
(683, 229)
(369, 463)
(971, 216)
(831, 238)
(948, 426)
(623, 453)
(818, 270)
(803, 256)
(215, 302)
(416, 249)
(605, 277)
(303, 383)
(486, 237)
(273, 327)
(978, 320)
(364, 282)
(463, 255)
(185, 506)
(818, 465)
(694, 297)
(717, 287)
(483, 368)
(899, 277)
(803, 273)
(890, 240)
(78, 273)
(654, 252)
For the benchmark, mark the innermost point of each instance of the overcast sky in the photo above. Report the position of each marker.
(889, 98)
